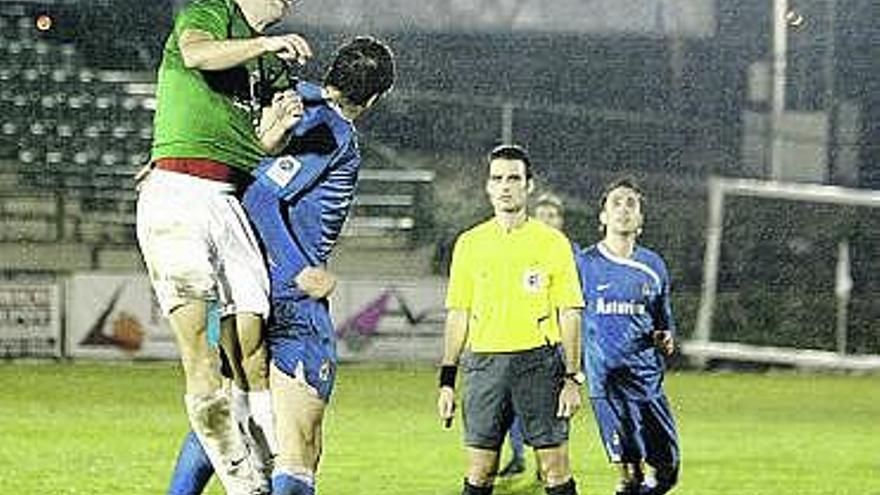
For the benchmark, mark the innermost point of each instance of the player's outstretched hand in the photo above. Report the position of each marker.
(664, 341)
(569, 399)
(317, 283)
(289, 47)
(446, 405)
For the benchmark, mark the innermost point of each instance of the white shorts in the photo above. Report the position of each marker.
(197, 244)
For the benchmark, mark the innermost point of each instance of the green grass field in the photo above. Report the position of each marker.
(114, 429)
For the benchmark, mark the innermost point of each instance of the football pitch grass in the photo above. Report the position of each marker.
(97, 429)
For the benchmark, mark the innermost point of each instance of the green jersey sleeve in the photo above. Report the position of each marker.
(209, 16)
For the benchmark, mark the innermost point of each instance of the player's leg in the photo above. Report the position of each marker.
(176, 217)
(616, 419)
(242, 340)
(482, 465)
(248, 289)
(301, 376)
(488, 413)
(556, 470)
(535, 393)
(661, 446)
(299, 416)
(517, 463)
(255, 364)
(193, 469)
(208, 404)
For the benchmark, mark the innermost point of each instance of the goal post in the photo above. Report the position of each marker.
(702, 347)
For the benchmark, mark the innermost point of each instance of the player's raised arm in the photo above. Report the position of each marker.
(200, 50)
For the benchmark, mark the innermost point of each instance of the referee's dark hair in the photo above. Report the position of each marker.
(363, 67)
(511, 152)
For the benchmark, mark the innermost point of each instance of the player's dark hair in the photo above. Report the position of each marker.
(625, 182)
(363, 67)
(511, 152)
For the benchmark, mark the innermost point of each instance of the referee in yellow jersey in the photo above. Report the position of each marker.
(514, 303)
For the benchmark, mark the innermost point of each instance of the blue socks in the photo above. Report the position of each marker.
(288, 484)
(193, 469)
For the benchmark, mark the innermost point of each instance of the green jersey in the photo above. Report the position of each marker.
(206, 114)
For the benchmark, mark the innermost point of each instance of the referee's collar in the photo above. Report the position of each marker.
(499, 228)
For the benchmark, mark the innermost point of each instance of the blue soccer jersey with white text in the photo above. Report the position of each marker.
(626, 300)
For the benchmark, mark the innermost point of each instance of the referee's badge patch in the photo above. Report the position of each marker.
(283, 170)
(532, 281)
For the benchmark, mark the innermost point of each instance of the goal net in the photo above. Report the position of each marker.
(791, 276)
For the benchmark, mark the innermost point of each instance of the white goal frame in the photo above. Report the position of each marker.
(701, 348)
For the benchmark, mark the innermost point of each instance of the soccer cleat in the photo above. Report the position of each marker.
(517, 465)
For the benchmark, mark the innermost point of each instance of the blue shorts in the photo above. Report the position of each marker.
(301, 335)
(637, 430)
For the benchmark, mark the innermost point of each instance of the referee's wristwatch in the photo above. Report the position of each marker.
(577, 377)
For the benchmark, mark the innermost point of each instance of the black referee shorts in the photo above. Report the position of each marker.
(525, 383)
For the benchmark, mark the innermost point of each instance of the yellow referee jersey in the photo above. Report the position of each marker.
(512, 284)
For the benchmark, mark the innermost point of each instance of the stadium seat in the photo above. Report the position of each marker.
(27, 229)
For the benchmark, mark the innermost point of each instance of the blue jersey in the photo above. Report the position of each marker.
(626, 300)
(299, 201)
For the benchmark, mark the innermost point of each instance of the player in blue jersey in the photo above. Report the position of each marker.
(627, 330)
(298, 203)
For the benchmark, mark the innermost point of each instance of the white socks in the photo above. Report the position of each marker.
(252, 411)
(211, 420)
(261, 411)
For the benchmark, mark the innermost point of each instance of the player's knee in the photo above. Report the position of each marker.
(201, 372)
(300, 450)
(554, 467)
(310, 438)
